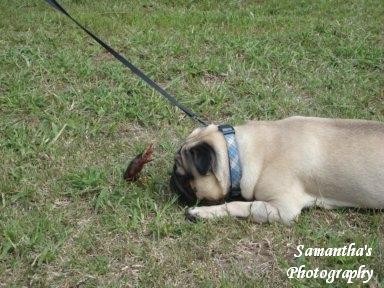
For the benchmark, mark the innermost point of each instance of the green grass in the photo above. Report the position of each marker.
(72, 117)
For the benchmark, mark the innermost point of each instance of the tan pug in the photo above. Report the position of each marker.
(287, 165)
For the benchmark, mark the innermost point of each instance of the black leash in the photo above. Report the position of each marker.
(129, 65)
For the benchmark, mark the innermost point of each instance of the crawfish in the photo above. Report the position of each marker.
(137, 164)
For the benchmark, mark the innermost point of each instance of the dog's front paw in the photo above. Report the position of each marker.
(192, 214)
(206, 212)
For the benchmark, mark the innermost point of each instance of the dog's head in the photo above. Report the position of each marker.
(201, 169)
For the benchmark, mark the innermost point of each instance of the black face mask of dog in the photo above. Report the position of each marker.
(193, 168)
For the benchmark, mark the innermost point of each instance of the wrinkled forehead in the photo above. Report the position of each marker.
(201, 132)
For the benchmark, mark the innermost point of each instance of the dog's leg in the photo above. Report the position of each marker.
(258, 211)
(234, 209)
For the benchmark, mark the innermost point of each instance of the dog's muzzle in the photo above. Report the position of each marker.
(180, 185)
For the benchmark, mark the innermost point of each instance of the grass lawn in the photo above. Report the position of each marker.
(72, 118)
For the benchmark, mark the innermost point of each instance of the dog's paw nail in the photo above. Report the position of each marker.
(193, 217)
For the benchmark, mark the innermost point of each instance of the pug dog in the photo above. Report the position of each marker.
(284, 166)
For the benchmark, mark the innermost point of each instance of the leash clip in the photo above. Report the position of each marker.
(226, 129)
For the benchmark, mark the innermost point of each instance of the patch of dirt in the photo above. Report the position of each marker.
(301, 96)
(212, 80)
(134, 131)
(123, 265)
(254, 258)
(3, 89)
(103, 56)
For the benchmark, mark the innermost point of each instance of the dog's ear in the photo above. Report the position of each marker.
(203, 157)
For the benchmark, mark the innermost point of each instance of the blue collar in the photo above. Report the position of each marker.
(235, 172)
